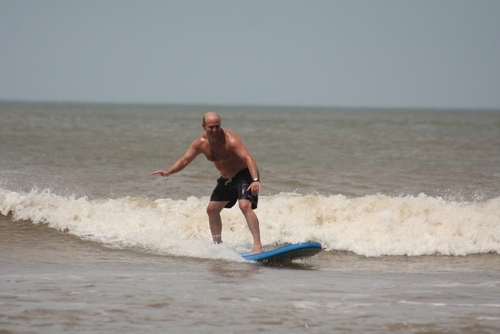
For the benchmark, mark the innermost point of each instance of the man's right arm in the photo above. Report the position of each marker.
(185, 160)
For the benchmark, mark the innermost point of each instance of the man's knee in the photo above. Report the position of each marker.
(245, 205)
(214, 208)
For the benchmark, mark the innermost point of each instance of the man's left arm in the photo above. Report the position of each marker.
(242, 152)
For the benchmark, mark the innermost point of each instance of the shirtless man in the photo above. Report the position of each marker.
(239, 179)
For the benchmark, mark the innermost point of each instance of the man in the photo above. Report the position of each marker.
(239, 179)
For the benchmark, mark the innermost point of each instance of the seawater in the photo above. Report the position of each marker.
(405, 203)
(373, 225)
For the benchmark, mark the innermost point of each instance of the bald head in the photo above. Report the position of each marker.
(210, 117)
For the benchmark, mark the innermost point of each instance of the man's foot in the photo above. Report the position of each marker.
(257, 250)
(217, 238)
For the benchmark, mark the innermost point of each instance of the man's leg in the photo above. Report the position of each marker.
(214, 219)
(253, 223)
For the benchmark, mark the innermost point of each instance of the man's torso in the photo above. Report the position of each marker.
(222, 154)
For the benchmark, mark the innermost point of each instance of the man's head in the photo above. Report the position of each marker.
(211, 123)
(209, 116)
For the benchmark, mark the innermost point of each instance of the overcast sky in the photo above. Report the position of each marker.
(440, 53)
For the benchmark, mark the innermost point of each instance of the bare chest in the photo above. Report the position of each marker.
(218, 153)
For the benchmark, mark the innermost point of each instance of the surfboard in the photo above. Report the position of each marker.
(286, 253)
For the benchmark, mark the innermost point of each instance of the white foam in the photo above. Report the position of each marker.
(374, 225)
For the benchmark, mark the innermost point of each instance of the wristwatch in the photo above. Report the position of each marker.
(256, 179)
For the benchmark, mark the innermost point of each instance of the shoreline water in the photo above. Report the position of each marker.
(80, 286)
(404, 202)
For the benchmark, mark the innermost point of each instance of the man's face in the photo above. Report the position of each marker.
(212, 127)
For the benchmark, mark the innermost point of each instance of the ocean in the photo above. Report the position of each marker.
(406, 203)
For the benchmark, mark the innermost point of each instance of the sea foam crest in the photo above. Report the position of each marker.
(374, 225)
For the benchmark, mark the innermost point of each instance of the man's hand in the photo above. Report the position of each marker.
(161, 173)
(254, 187)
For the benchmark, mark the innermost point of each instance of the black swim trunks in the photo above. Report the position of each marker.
(234, 189)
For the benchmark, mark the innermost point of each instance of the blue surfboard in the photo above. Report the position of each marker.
(286, 253)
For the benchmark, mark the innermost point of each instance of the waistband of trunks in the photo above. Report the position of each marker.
(242, 174)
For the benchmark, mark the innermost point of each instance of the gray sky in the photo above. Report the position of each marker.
(441, 53)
